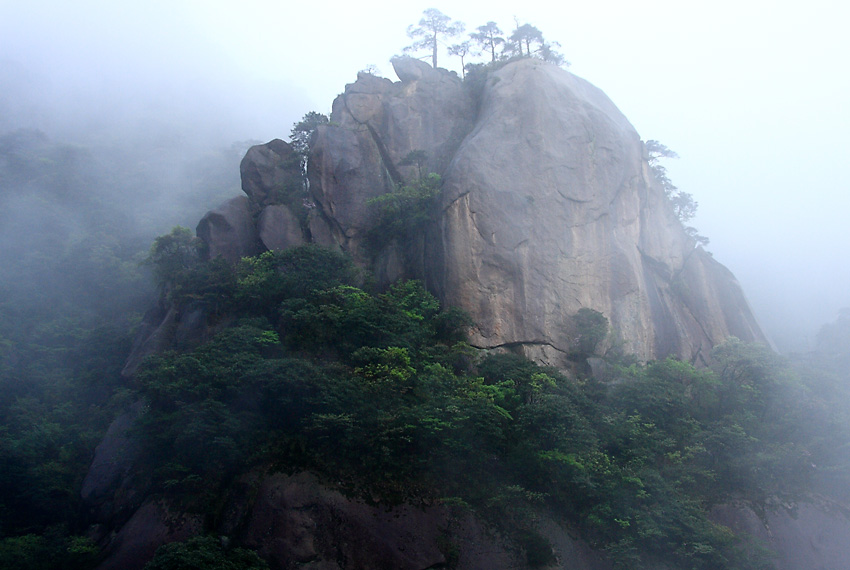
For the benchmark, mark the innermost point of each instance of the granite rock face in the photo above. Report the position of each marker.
(270, 171)
(230, 231)
(151, 526)
(548, 206)
(374, 125)
(279, 228)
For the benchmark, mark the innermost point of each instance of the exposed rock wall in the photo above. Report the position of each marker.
(375, 123)
(230, 230)
(548, 206)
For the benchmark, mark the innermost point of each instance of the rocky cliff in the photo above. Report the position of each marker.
(547, 206)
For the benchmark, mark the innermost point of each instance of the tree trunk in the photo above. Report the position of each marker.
(434, 54)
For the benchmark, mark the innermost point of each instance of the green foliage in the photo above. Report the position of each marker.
(344, 318)
(527, 41)
(47, 552)
(377, 392)
(57, 399)
(207, 407)
(204, 553)
(265, 281)
(591, 328)
(433, 26)
(522, 38)
(172, 254)
(684, 205)
(302, 134)
(373, 391)
(404, 212)
(488, 37)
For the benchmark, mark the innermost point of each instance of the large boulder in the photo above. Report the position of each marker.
(278, 228)
(549, 207)
(230, 231)
(107, 489)
(270, 172)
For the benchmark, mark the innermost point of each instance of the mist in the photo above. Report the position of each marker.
(120, 121)
(749, 98)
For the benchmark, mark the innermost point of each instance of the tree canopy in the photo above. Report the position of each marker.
(488, 38)
(461, 50)
(525, 41)
(302, 132)
(525, 36)
(684, 205)
(433, 26)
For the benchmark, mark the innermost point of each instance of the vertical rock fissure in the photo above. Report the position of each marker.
(395, 175)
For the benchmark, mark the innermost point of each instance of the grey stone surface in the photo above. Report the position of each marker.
(155, 335)
(409, 69)
(270, 171)
(549, 207)
(321, 232)
(230, 230)
(107, 489)
(375, 123)
(278, 228)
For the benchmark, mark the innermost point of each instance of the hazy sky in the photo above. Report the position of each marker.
(752, 95)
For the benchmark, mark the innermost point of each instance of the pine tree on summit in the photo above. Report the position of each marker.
(525, 35)
(432, 26)
(488, 37)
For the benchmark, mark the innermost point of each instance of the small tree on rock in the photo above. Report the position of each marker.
(591, 328)
(302, 132)
(417, 158)
(433, 25)
(488, 37)
(549, 54)
(461, 50)
(526, 36)
(684, 205)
